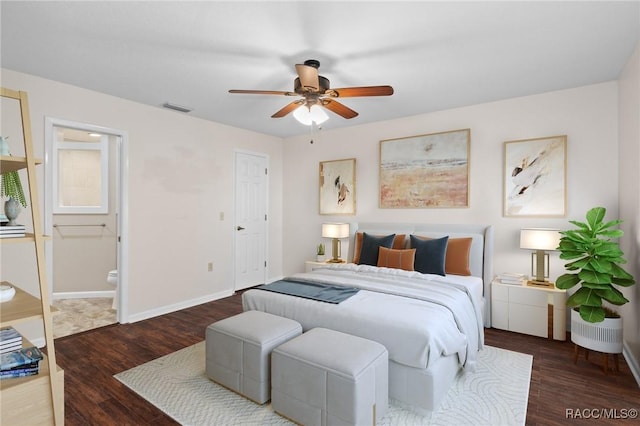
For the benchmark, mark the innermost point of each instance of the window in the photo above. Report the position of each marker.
(80, 170)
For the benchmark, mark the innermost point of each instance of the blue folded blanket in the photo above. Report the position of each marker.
(309, 290)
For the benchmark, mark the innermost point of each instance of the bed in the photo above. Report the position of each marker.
(431, 322)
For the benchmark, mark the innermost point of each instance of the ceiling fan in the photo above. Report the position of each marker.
(314, 90)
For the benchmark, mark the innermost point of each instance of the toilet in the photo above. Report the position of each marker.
(112, 280)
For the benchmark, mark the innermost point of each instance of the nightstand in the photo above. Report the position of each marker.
(310, 264)
(538, 311)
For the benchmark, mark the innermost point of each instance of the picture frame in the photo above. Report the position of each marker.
(425, 171)
(337, 187)
(535, 177)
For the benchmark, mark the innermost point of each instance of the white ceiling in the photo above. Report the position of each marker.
(436, 55)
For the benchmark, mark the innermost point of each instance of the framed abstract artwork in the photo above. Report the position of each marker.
(425, 171)
(338, 187)
(535, 177)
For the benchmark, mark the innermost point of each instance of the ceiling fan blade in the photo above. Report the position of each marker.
(339, 108)
(288, 108)
(308, 77)
(350, 92)
(263, 92)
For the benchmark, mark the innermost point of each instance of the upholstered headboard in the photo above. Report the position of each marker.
(480, 255)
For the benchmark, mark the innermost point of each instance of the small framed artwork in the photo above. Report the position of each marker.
(535, 177)
(425, 171)
(338, 187)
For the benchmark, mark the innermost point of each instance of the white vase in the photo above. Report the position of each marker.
(605, 336)
(11, 210)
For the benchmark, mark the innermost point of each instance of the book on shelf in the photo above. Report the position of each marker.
(20, 357)
(12, 231)
(14, 235)
(9, 335)
(10, 347)
(511, 278)
(24, 371)
(4, 227)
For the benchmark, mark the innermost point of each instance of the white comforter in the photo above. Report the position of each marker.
(417, 317)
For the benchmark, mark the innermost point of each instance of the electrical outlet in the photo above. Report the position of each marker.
(210, 266)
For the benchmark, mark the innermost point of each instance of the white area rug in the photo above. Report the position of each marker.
(496, 394)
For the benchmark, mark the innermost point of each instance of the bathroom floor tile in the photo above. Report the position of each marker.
(77, 315)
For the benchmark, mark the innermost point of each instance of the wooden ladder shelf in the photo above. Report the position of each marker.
(37, 399)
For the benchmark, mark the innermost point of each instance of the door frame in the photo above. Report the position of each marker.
(235, 213)
(122, 203)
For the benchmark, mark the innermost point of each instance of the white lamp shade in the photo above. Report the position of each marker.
(335, 230)
(539, 239)
(306, 115)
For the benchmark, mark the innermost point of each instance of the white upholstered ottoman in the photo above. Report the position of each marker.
(326, 377)
(239, 351)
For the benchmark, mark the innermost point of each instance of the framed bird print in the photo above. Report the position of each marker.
(338, 187)
(535, 177)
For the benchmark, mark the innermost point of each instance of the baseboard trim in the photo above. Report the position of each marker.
(141, 316)
(632, 362)
(83, 294)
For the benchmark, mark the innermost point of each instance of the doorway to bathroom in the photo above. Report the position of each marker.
(82, 216)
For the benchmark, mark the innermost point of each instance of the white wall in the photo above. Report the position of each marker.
(587, 115)
(180, 179)
(629, 175)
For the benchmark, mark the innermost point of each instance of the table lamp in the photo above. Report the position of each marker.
(540, 240)
(335, 231)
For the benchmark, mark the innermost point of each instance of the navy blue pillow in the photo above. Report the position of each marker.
(430, 254)
(370, 246)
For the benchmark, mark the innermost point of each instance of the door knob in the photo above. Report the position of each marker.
(239, 228)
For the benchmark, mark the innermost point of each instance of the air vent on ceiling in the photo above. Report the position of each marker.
(176, 107)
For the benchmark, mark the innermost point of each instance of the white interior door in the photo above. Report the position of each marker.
(250, 220)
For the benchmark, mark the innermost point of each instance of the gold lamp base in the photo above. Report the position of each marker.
(547, 284)
(335, 252)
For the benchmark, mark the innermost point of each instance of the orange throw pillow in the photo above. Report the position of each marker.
(398, 243)
(398, 259)
(457, 259)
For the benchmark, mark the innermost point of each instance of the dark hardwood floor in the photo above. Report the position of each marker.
(94, 397)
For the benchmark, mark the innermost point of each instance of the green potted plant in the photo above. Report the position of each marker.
(594, 264)
(12, 187)
(320, 255)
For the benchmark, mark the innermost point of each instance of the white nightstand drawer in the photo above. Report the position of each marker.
(500, 293)
(528, 320)
(528, 296)
(500, 314)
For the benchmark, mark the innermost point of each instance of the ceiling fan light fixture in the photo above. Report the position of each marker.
(308, 115)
